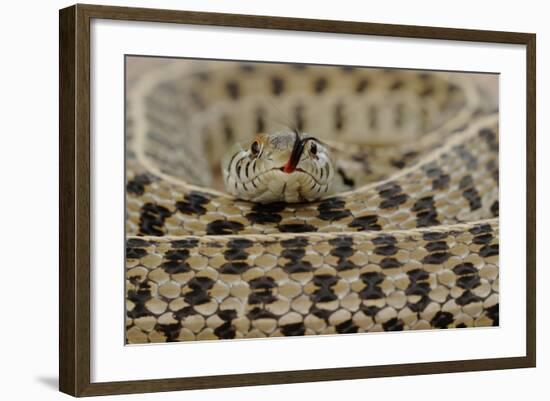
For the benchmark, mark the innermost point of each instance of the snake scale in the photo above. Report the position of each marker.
(409, 242)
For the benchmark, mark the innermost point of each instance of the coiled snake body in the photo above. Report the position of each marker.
(409, 241)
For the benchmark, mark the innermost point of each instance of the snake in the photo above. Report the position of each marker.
(272, 199)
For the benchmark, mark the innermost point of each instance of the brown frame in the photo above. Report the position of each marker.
(74, 202)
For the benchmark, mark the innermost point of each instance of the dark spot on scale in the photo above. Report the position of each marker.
(426, 214)
(184, 312)
(240, 243)
(297, 242)
(385, 239)
(468, 282)
(339, 117)
(341, 241)
(225, 331)
(393, 324)
(176, 261)
(389, 189)
(263, 218)
(171, 331)
(494, 208)
(418, 289)
(347, 68)
(293, 254)
(493, 313)
(324, 284)
(392, 194)
(186, 243)
(342, 252)
(235, 254)
(233, 90)
(467, 297)
(418, 274)
(277, 85)
(427, 91)
(320, 313)
(138, 183)
(464, 268)
(481, 229)
(346, 327)
(483, 239)
(344, 264)
(234, 268)
(387, 250)
(247, 67)
(260, 313)
(396, 85)
(135, 253)
(489, 250)
(370, 310)
(418, 285)
(293, 329)
(420, 305)
(441, 182)
(372, 280)
(427, 218)
(436, 258)
(152, 218)
(394, 201)
(473, 198)
(223, 227)
(390, 263)
(442, 320)
(298, 267)
(139, 298)
(320, 85)
(193, 203)
(366, 223)
(437, 246)
(137, 242)
(199, 290)
(262, 290)
(423, 204)
(297, 228)
(227, 314)
(266, 213)
(490, 137)
(333, 209)
(361, 86)
(434, 236)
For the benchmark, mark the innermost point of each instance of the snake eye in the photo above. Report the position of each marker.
(313, 148)
(255, 148)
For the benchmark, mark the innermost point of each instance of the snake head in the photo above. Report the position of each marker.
(283, 167)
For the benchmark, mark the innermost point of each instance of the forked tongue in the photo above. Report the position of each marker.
(295, 156)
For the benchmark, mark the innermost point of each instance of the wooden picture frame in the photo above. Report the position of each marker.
(75, 208)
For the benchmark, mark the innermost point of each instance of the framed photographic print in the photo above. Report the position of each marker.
(250, 200)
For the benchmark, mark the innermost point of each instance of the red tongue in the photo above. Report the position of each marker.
(289, 168)
(294, 158)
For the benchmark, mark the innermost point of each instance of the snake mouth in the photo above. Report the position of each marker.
(298, 170)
